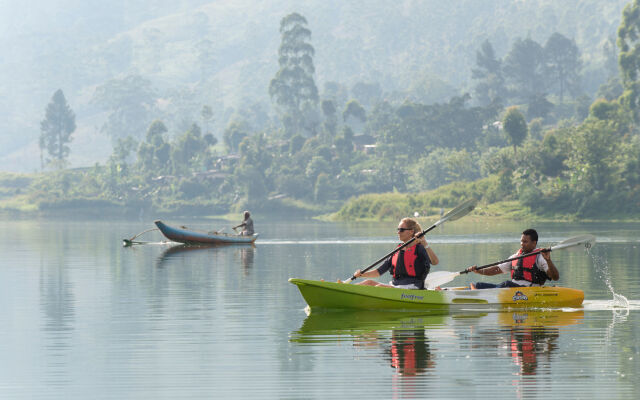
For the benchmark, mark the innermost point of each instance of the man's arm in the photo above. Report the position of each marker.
(552, 272)
(495, 270)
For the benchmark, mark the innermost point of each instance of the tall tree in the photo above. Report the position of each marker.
(293, 88)
(57, 126)
(629, 58)
(523, 68)
(488, 73)
(355, 110)
(131, 102)
(562, 61)
(154, 152)
(207, 115)
(515, 126)
(330, 120)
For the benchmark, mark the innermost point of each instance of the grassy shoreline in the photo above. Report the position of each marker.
(17, 201)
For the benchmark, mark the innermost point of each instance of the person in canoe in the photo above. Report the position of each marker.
(409, 266)
(534, 270)
(246, 225)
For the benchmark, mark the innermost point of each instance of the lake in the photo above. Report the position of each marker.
(83, 317)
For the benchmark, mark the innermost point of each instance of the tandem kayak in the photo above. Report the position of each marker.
(194, 237)
(332, 295)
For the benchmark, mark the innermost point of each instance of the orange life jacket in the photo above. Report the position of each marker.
(403, 356)
(525, 269)
(405, 266)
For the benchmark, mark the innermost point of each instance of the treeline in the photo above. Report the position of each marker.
(552, 150)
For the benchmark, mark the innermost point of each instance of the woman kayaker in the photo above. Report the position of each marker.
(409, 266)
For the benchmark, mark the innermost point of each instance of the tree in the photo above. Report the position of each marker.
(629, 58)
(367, 93)
(562, 61)
(57, 126)
(189, 150)
(354, 110)
(523, 67)
(207, 114)
(234, 133)
(590, 159)
(490, 87)
(293, 87)
(154, 152)
(253, 164)
(515, 126)
(330, 120)
(131, 102)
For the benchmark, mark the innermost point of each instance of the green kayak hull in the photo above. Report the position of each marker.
(332, 295)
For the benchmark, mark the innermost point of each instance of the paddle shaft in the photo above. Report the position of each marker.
(508, 259)
(148, 230)
(458, 212)
(407, 243)
(129, 242)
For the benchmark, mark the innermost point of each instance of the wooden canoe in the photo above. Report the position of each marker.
(194, 237)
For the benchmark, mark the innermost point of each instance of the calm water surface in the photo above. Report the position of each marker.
(82, 317)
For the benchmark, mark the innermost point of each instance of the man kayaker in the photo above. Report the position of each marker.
(409, 266)
(247, 225)
(534, 270)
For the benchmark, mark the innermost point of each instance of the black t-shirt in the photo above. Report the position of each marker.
(422, 265)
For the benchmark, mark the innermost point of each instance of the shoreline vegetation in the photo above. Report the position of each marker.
(17, 200)
(528, 139)
(525, 152)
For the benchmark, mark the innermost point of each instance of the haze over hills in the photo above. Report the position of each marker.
(224, 53)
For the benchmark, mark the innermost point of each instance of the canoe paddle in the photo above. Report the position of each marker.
(458, 212)
(130, 242)
(438, 278)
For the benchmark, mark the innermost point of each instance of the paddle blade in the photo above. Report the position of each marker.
(582, 240)
(435, 279)
(459, 212)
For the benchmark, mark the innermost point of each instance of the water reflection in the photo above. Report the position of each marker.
(246, 256)
(529, 344)
(409, 351)
(243, 255)
(410, 342)
(57, 302)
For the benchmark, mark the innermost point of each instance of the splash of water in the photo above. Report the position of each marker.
(602, 267)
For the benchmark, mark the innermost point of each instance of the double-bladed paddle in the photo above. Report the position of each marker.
(438, 278)
(458, 212)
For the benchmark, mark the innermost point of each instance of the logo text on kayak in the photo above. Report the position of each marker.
(411, 297)
(519, 296)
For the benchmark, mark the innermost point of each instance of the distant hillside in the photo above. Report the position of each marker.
(223, 53)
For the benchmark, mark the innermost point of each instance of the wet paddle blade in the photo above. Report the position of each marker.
(582, 240)
(438, 278)
(459, 212)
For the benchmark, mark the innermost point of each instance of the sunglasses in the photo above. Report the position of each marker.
(404, 229)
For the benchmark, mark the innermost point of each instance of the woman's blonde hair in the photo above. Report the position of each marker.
(415, 226)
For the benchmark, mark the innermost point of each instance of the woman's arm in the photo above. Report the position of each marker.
(432, 255)
(369, 274)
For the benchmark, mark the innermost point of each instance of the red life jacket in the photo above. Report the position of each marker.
(523, 351)
(403, 356)
(406, 266)
(525, 269)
